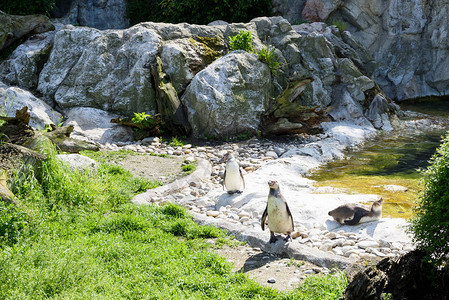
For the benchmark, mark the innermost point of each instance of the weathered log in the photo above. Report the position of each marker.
(16, 130)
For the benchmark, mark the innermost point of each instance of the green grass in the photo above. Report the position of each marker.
(78, 237)
(188, 169)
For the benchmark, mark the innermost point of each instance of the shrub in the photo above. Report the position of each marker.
(242, 41)
(196, 11)
(27, 7)
(430, 224)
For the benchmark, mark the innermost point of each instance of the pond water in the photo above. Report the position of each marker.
(390, 159)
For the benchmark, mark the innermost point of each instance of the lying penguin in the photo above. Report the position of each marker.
(355, 213)
(233, 178)
(280, 218)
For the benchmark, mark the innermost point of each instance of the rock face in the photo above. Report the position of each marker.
(103, 14)
(23, 66)
(182, 72)
(407, 38)
(406, 277)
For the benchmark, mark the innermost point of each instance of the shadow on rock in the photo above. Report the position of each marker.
(369, 227)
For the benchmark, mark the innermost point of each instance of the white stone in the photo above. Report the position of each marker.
(79, 163)
(213, 213)
(367, 244)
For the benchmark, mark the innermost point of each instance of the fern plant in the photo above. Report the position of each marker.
(267, 56)
(142, 119)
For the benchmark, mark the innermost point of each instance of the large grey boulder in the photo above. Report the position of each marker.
(78, 163)
(94, 125)
(229, 96)
(69, 44)
(14, 98)
(107, 70)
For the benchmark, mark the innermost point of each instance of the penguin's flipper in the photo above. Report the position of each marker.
(241, 176)
(358, 214)
(264, 217)
(290, 215)
(224, 177)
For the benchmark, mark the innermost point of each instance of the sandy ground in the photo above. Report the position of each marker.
(157, 168)
(270, 270)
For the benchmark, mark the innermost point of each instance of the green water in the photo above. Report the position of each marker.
(390, 159)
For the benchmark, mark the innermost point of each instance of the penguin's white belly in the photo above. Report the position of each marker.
(232, 180)
(279, 220)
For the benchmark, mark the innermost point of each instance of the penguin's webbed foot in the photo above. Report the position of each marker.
(273, 238)
(239, 192)
(288, 238)
(231, 192)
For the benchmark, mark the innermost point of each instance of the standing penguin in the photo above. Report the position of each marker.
(233, 177)
(280, 218)
(355, 213)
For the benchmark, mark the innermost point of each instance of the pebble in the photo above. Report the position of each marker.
(367, 244)
(212, 213)
(271, 280)
(252, 157)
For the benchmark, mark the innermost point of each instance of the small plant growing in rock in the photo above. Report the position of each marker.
(143, 119)
(242, 41)
(430, 224)
(341, 25)
(267, 56)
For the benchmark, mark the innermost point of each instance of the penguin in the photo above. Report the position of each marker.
(354, 213)
(280, 218)
(233, 179)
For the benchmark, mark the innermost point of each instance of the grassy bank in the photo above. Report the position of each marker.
(76, 236)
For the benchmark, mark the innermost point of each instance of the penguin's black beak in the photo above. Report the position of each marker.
(272, 183)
